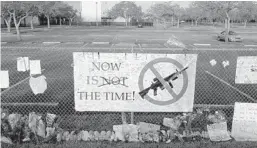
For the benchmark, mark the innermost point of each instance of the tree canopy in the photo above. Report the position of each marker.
(247, 10)
(161, 11)
(17, 11)
(126, 10)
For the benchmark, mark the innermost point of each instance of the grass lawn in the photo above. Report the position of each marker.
(188, 35)
(206, 144)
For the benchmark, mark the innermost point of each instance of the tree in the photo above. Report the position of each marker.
(195, 13)
(235, 15)
(247, 11)
(7, 17)
(221, 8)
(19, 11)
(156, 12)
(127, 10)
(70, 14)
(34, 12)
(48, 8)
(161, 12)
(138, 13)
(60, 9)
(178, 12)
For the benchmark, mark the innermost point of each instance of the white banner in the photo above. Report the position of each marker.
(112, 82)
(244, 125)
(246, 70)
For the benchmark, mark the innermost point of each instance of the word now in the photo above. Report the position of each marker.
(105, 66)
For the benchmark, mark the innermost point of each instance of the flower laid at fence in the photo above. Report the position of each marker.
(45, 128)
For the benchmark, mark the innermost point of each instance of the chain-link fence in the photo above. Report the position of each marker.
(56, 64)
(109, 23)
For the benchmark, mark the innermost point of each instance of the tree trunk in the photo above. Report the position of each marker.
(9, 28)
(18, 33)
(178, 23)
(8, 24)
(164, 24)
(48, 22)
(31, 23)
(60, 21)
(172, 19)
(17, 26)
(24, 22)
(245, 23)
(192, 22)
(126, 22)
(70, 21)
(196, 22)
(227, 30)
(226, 24)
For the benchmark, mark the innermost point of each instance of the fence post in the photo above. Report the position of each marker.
(123, 118)
(132, 117)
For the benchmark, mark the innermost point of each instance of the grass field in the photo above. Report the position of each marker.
(189, 35)
(57, 59)
(201, 144)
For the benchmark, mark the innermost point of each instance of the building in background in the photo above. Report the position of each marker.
(91, 11)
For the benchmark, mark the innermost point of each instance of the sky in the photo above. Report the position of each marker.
(144, 4)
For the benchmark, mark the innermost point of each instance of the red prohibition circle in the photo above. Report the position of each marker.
(175, 97)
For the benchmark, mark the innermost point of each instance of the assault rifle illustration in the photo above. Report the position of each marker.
(157, 82)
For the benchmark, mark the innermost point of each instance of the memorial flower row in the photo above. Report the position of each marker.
(44, 128)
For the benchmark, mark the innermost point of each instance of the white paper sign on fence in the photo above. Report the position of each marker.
(246, 70)
(218, 132)
(172, 123)
(4, 77)
(148, 127)
(38, 85)
(244, 126)
(23, 64)
(169, 122)
(118, 129)
(35, 67)
(112, 82)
